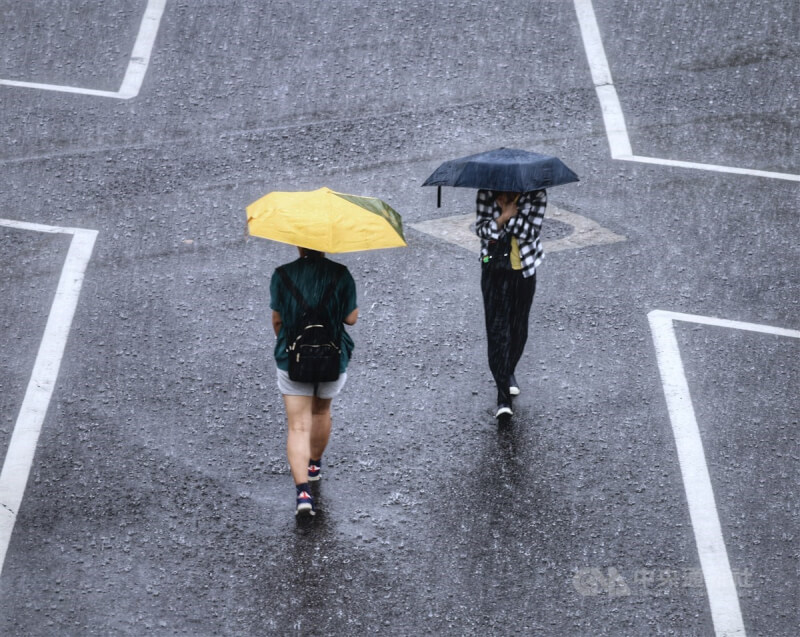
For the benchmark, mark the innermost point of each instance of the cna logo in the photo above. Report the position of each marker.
(609, 582)
(591, 581)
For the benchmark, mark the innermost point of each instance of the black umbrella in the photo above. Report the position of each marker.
(503, 169)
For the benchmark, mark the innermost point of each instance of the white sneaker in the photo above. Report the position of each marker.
(513, 386)
(503, 410)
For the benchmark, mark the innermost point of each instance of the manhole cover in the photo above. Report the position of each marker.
(552, 229)
(561, 230)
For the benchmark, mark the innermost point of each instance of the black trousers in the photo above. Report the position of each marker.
(507, 300)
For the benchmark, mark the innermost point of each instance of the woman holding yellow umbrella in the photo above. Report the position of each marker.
(314, 295)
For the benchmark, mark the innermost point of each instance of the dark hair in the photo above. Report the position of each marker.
(308, 252)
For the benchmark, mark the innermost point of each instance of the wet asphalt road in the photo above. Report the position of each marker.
(160, 502)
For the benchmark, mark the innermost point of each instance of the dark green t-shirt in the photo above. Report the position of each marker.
(311, 276)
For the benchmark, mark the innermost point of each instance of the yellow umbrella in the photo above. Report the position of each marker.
(325, 220)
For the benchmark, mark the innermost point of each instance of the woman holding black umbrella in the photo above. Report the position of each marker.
(509, 226)
(511, 204)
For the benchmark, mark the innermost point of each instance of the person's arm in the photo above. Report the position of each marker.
(527, 223)
(274, 297)
(485, 224)
(351, 318)
(277, 322)
(508, 209)
(347, 298)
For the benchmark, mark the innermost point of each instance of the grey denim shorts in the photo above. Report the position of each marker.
(289, 387)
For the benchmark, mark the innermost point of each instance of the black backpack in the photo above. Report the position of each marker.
(314, 354)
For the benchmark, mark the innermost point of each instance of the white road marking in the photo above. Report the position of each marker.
(457, 230)
(142, 48)
(25, 436)
(613, 118)
(711, 167)
(137, 66)
(59, 88)
(719, 580)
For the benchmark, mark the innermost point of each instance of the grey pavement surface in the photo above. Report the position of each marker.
(160, 501)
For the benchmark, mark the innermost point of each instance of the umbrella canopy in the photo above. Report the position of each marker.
(325, 220)
(503, 169)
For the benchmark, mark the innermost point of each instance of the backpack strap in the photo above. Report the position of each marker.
(299, 297)
(331, 289)
(293, 289)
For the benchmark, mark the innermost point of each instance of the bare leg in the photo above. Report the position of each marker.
(320, 426)
(298, 442)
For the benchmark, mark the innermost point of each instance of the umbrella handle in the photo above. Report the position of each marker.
(438, 196)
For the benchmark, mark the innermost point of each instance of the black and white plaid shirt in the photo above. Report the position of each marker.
(526, 225)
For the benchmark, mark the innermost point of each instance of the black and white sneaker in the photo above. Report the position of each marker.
(503, 409)
(513, 386)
